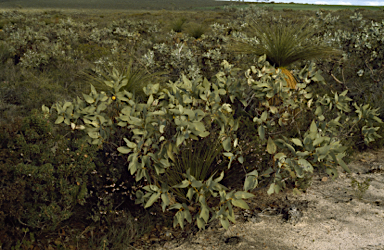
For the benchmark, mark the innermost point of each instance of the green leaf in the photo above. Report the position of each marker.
(166, 201)
(200, 223)
(261, 131)
(180, 218)
(264, 116)
(134, 164)
(180, 139)
(225, 223)
(204, 134)
(305, 165)
(204, 214)
(241, 159)
(297, 142)
(278, 156)
(243, 195)
(170, 152)
(271, 189)
(196, 184)
(183, 184)
(218, 179)
(250, 183)
(190, 193)
(151, 200)
(129, 143)
(240, 203)
(59, 120)
(124, 150)
(271, 146)
(88, 99)
(227, 144)
(94, 135)
(313, 127)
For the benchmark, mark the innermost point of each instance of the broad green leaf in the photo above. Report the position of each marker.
(319, 140)
(88, 99)
(166, 201)
(180, 139)
(271, 189)
(170, 152)
(134, 164)
(243, 195)
(227, 144)
(240, 203)
(152, 199)
(218, 179)
(225, 223)
(190, 193)
(313, 127)
(297, 142)
(271, 146)
(241, 159)
(150, 100)
(161, 128)
(129, 143)
(278, 156)
(200, 223)
(305, 165)
(59, 120)
(250, 183)
(124, 150)
(94, 135)
(253, 173)
(183, 184)
(264, 116)
(204, 214)
(196, 184)
(261, 131)
(199, 126)
(180, 218)
(204, 134)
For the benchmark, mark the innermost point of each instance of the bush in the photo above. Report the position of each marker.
(171, 120)
(177, 25)
(49, 175)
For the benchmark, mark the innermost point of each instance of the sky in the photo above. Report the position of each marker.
(332, 2)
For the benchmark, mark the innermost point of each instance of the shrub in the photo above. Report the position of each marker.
(196, 30)
(171, 119)
(51, 174)
(177, 25)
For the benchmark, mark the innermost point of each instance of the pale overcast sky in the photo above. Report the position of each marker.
(333, 2)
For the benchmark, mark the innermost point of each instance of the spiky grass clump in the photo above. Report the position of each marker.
(284, 44)
(137, 78)
(202, 157)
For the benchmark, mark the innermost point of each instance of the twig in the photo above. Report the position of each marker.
(337, 80)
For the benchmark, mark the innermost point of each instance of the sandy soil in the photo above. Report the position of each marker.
(328, 216)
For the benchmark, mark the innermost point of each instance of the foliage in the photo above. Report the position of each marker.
(43, 59)
(177, 25)
(52, 175)
(133, 79)
(284, 43)
(185, 111)
(196, 30)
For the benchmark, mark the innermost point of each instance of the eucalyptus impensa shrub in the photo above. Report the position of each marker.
(174, 116)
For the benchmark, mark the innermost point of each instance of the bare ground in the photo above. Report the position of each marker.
(328, 216)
